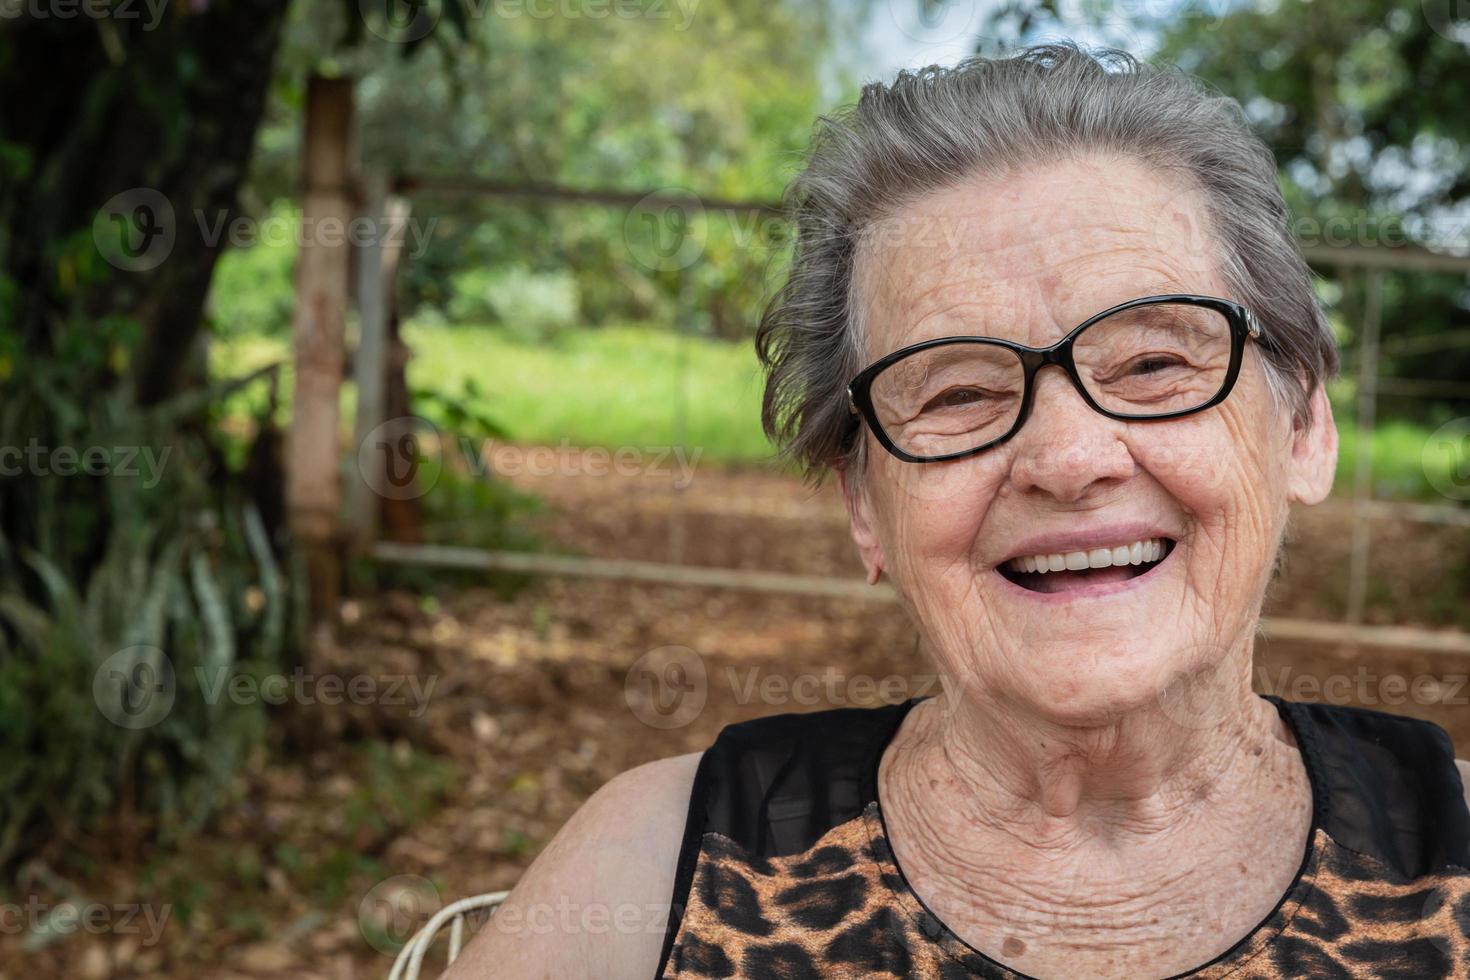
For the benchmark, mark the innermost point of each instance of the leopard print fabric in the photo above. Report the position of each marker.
(841, 909)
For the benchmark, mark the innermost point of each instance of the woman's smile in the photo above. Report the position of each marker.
(1086, 573)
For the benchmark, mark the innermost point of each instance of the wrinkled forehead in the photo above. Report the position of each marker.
(1029, 256)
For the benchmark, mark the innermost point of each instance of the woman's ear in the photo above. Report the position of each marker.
(1313, 452)
(860, 524)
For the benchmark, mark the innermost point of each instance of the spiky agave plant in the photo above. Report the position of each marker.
(117, 643)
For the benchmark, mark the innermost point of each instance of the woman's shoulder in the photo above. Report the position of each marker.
(1464, 768)
(596, 900)
(1388, 786)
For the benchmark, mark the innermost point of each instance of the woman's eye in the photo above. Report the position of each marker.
(1150, 365)
(955, 398)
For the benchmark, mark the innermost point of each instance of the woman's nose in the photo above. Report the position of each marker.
(1065, 448)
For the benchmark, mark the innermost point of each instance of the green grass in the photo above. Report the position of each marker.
(614, 386)
(1398, 467)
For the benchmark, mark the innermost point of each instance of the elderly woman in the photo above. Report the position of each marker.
(1046, 322)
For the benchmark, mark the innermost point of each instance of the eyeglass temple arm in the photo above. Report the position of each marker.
(1252, 324)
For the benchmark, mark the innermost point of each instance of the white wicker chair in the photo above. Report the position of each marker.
(411, 958)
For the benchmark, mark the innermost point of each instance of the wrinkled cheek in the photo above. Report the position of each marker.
(1191, 461)
(931, 515)
(959, 487)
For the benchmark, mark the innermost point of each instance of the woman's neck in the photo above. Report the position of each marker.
(1104, 847)
(1143, 772)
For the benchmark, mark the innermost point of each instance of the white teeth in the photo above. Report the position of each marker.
(1135, 553)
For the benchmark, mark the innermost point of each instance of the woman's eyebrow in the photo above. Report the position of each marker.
(1165, 288)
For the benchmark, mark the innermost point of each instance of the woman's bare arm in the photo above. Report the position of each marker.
(596, 902)
(1465, 778)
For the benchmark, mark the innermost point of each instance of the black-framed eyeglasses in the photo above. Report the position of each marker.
(1149, 359)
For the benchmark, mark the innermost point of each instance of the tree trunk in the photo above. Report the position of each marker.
(164, 112)
(123, 143)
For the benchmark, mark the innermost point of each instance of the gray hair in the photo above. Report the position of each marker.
(934, 128)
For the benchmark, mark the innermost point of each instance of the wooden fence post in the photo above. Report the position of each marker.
(369, 368)
(313, 449)
(1358, 567)
(402, 517)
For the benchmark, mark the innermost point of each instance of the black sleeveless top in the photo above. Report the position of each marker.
(785, 869)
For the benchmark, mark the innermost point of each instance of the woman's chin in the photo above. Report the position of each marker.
(1108, 683)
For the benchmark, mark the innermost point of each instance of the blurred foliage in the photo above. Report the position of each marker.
(252, 289)
(531, 306)
(720, 105)
(146, 585)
